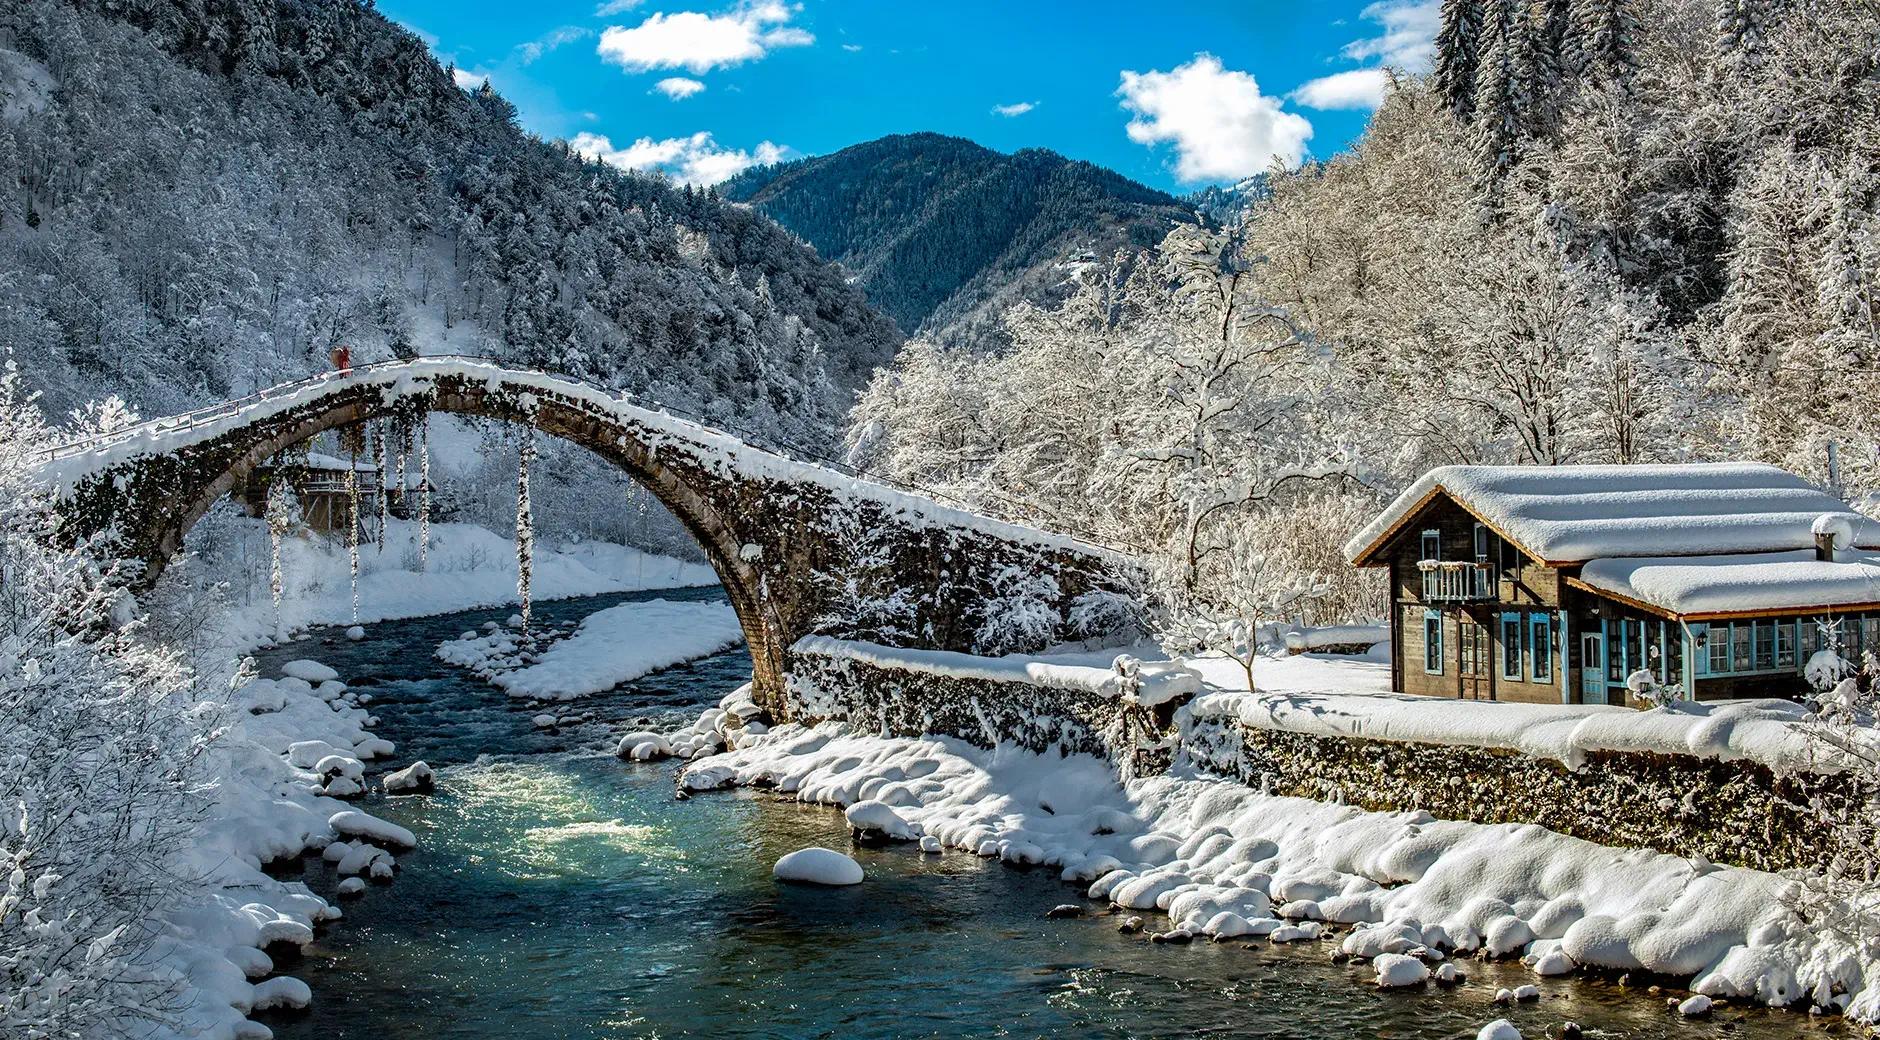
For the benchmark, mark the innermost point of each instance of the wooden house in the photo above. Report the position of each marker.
(1560, 584)
(319, 483)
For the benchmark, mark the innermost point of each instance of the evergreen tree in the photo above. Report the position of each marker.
(1458, 45)
(1500, 102)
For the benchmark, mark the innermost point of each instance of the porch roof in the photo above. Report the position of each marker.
(1739, 584)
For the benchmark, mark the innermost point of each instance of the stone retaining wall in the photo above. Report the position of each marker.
(982, 712)
(1727, 812)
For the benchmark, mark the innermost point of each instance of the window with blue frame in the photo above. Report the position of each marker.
(1541, 642)
(1760, 646)
(1432, 545)
(1433, 642)
(1511, 646)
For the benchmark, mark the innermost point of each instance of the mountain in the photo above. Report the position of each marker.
(201, 197)
(944, 233)
(1228, 205)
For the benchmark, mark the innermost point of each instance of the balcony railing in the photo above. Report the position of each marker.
(1453, 581)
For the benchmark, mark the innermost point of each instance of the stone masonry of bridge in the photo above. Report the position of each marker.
(801, 549)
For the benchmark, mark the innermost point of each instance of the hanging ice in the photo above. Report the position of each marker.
(352, 526)
(424, 490)
(385, 486)
(525, 525)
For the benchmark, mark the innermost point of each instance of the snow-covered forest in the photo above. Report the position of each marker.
(1628, 231)
(203, 200)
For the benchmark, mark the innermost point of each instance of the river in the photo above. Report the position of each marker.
(560, 893)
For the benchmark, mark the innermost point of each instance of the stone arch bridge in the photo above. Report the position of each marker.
(801, 548)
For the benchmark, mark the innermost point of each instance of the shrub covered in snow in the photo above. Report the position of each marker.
(102, 743)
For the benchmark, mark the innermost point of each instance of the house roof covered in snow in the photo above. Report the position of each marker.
(1571, 514)
(1698, 587)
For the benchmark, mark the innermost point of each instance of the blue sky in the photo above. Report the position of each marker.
(1175, 94)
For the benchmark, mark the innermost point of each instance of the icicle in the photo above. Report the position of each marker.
(280, 519)
(385, 491)
(424, 490)
(353, 524)
(403, 436)
(525, 526)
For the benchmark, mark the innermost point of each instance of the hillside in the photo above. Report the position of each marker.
(944, 233)
(203, 196)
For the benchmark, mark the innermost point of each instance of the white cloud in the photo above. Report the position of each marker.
(1408, 42)
(614, 7)
(689, 160)
(1356, 88)
(701, 42)
(534, 49)
(852, 48)
(468, 80)
(1222, 127)
(678, 88)
(1019, 109)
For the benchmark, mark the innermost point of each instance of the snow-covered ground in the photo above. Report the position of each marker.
(291, 741)
(610, 647)
(1222, 859)
(467, 567)
(1350, 696)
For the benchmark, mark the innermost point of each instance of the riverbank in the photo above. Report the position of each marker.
(1225, 861)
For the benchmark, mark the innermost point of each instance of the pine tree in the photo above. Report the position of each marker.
(1458, 44)
(1499, 102)
(1601, 38)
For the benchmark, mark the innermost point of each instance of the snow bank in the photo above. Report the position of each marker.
(1217, 855)
(1574, 513)
(610, 647)
(1703, 585)
(268, 807)
(1767, 732)
(1334, 696)
(1126, 678)
(1302, 639)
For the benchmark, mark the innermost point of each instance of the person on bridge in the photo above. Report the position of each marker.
(342, 358)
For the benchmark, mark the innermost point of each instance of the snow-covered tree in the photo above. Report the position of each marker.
(101, 766)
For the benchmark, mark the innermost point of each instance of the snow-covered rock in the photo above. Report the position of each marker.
(416, 777)
(1695, 1006)
(308, 671)
(356, 824)
(1395, 970)
(879, 817)
(818, 866)
(1499, 1029)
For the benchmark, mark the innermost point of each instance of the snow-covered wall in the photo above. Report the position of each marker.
(1736, 811)
(988, 703)
(1615, 777)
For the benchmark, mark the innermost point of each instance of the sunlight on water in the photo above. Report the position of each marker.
(538, 820)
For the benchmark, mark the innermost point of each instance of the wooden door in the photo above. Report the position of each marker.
(1592, 668)
(1475, 658)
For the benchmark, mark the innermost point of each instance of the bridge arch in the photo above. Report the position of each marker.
(765, 522)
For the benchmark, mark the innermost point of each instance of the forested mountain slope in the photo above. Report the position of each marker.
(945, 233)
(201, 197)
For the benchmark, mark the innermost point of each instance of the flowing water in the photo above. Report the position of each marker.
(560, 893)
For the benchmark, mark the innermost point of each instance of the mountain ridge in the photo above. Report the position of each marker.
(944, 233)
